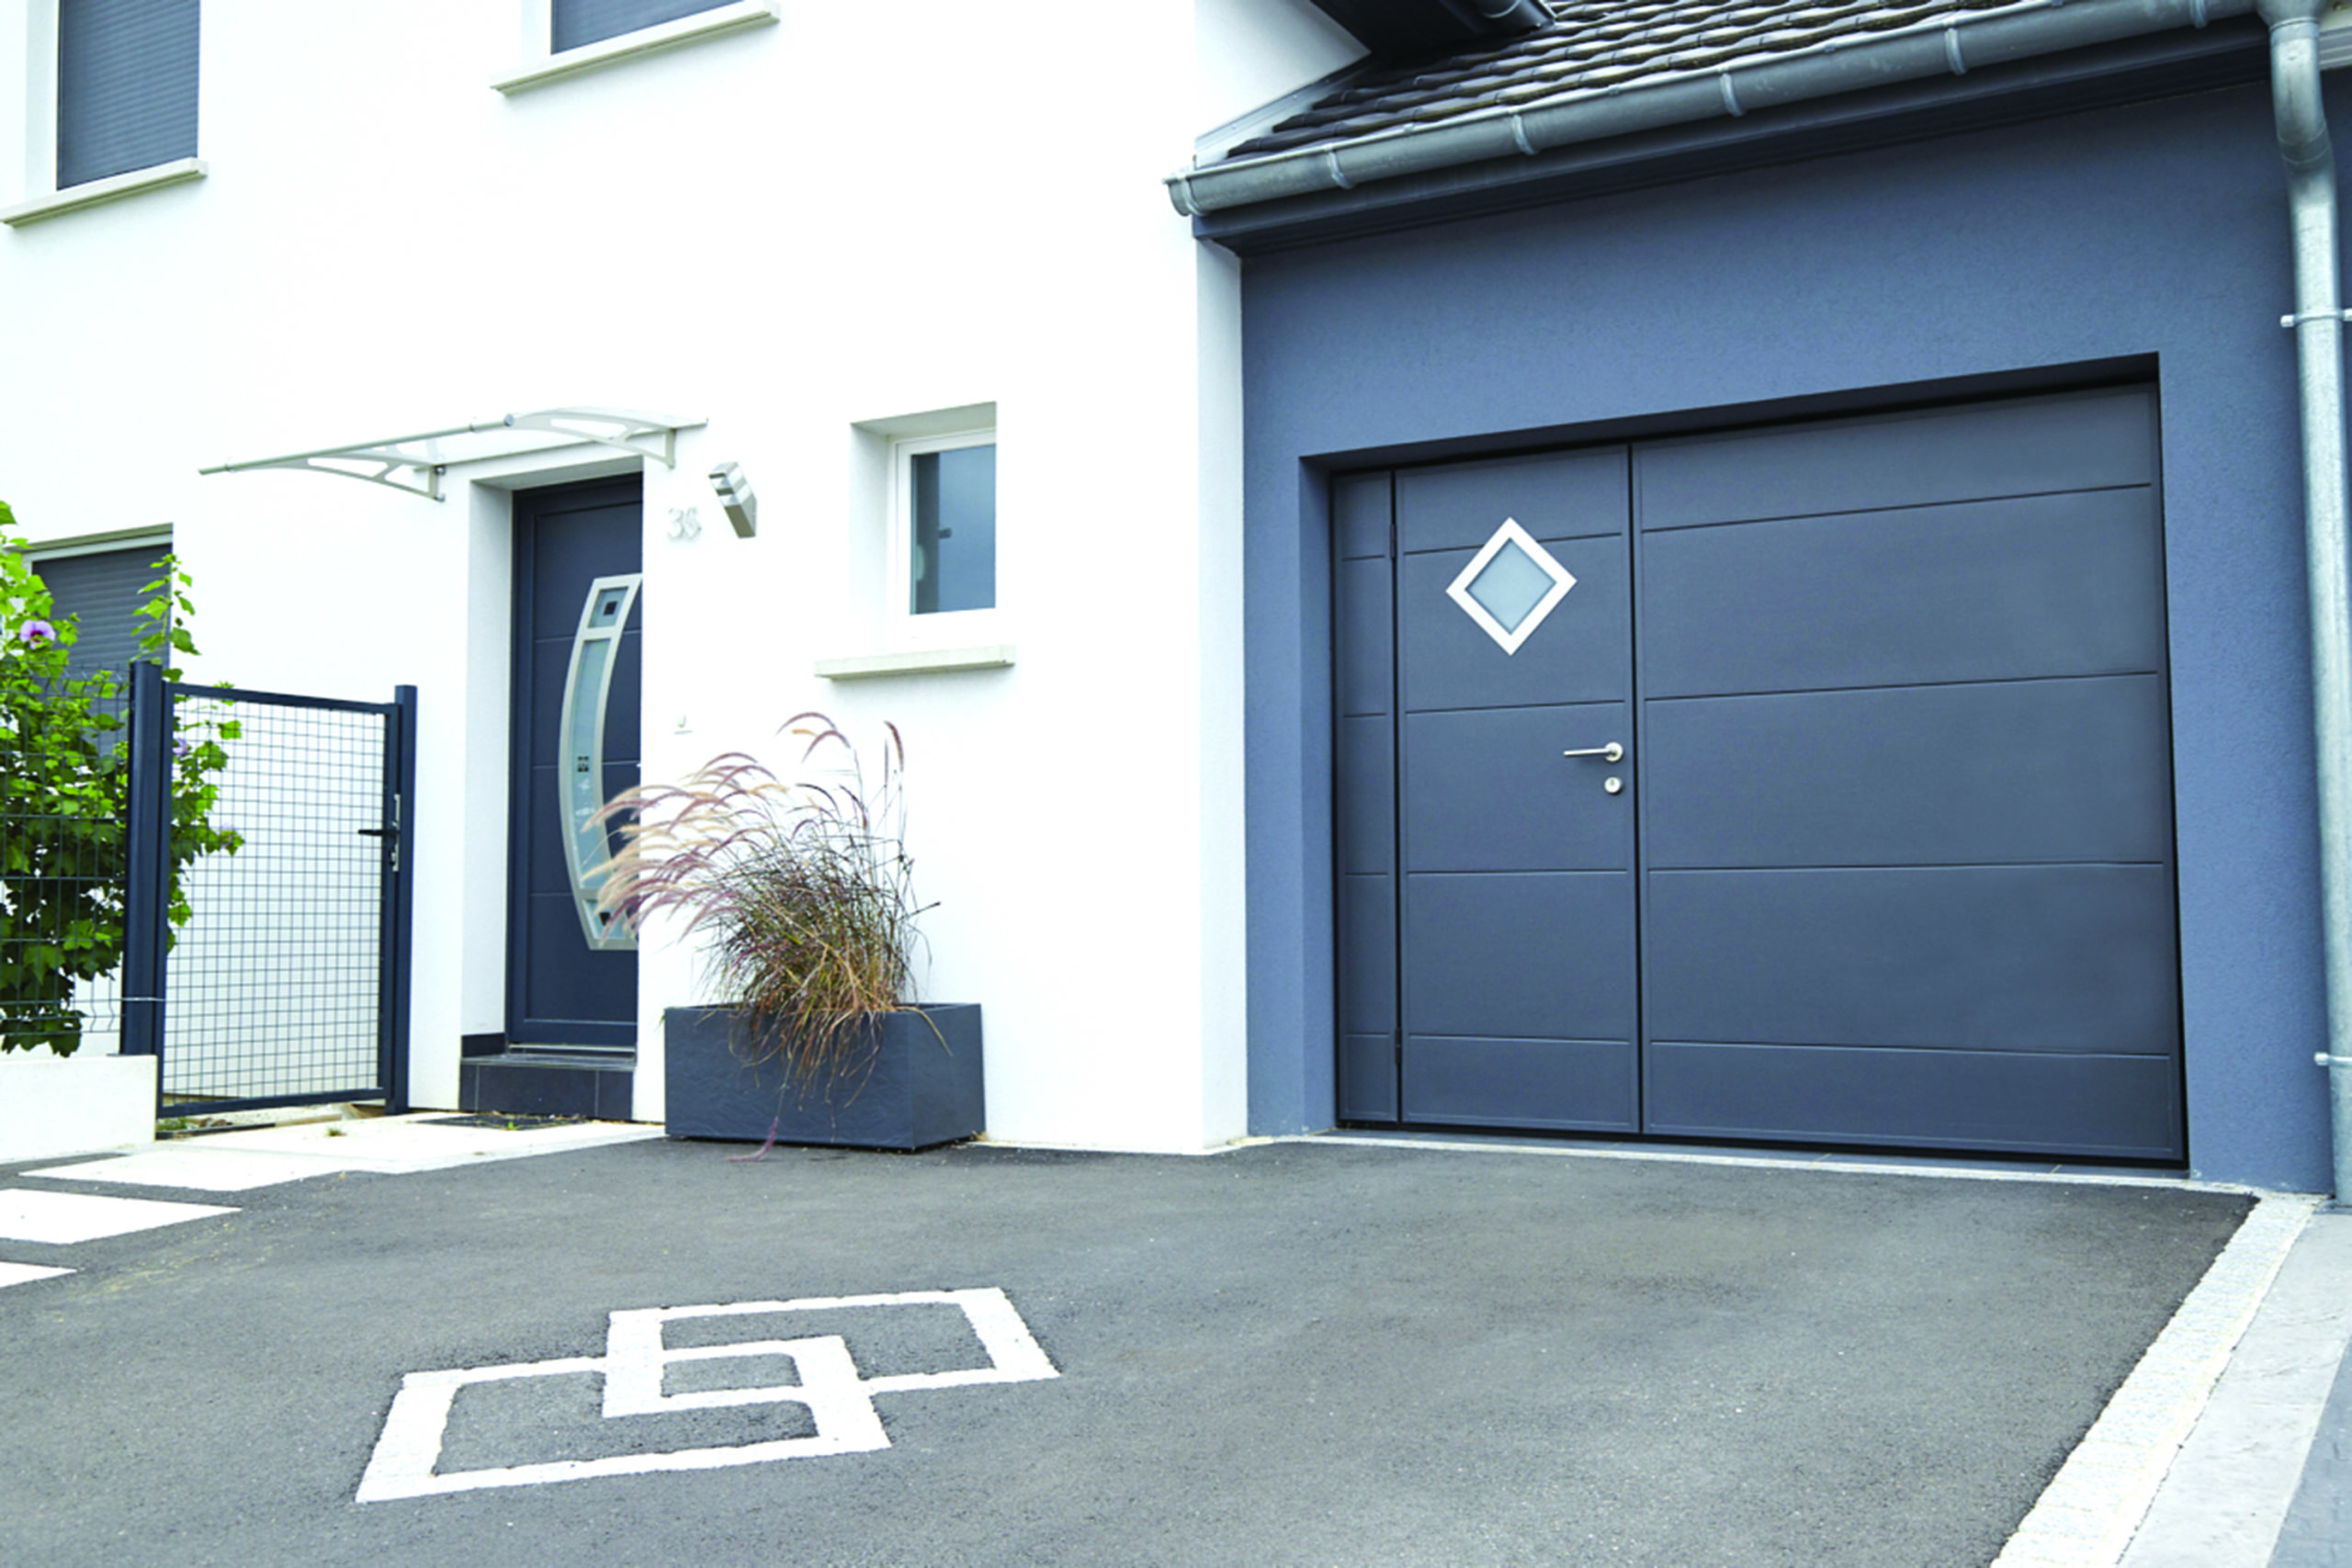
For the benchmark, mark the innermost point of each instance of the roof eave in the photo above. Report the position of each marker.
(1950, 46)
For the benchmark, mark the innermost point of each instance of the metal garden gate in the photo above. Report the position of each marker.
(265, 957)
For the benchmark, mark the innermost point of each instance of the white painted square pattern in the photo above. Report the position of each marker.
(828, 1383)
(26, 1273)
(60, 1218)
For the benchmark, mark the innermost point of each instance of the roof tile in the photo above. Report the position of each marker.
(1588, 46)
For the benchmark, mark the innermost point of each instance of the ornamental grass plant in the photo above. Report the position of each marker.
(802, 892)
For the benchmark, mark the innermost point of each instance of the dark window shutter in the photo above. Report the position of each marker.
(588, 21)
(126, 87)
(103, 590)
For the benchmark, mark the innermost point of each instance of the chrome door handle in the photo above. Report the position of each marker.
(1612, 752)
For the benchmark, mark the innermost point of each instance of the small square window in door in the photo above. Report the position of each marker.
(1510, 585)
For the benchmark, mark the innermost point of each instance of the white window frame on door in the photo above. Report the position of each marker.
(37, 195)
(939, 627)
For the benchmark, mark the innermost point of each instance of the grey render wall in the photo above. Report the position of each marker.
(2151, 237)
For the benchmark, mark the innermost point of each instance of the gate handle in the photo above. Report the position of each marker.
(1611, 753)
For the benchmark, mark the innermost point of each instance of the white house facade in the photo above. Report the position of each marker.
(834, 246)
(1661, 572)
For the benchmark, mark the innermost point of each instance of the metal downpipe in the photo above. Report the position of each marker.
(2318, 322)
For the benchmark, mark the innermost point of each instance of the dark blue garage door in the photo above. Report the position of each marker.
(1806, 783)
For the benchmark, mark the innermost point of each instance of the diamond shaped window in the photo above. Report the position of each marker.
(1510, 585)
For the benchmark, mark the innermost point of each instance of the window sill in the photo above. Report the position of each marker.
(114, 187)
(917, 662)
(645, 41)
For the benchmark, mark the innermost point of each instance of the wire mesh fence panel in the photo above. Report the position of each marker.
(61, 869)
(275, 986)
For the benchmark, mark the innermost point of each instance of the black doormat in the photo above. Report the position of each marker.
(508, 1123)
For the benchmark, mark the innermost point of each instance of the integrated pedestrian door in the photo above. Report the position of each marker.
(1810, 784)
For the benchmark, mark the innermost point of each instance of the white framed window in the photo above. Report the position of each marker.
(943, 532)
(928, 592)
(573, 24)
(100, 579)
(565, 37)
(111, 98)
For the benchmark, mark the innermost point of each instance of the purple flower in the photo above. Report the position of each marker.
(41, 634)
(183, 749)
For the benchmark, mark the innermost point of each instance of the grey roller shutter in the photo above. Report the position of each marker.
(126, 87)
(578, 22)
(103, 591)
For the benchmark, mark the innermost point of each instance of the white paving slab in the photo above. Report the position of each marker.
(423, 1142)
(26, 1273)
(392, 1145)
(2087, 1516)
(195, 1167)
(2227, 1495)
(60, 1218)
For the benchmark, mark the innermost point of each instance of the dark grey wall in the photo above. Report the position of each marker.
(2150, 238)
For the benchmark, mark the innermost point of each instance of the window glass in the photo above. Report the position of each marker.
(952, 542)
(578, 22)
(102, 593)
(126, 87)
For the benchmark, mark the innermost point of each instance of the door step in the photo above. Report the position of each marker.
(549, 1080)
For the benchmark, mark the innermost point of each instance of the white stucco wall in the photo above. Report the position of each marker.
(1250, 53)
(786, 231)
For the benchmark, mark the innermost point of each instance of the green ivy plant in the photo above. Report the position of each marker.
(64, 789)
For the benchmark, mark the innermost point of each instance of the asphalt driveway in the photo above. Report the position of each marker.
(1286, 1354)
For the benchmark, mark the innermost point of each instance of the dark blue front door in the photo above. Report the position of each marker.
(1890, 806)
(578, 549)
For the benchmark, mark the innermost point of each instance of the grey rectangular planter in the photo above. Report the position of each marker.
(912, 1079)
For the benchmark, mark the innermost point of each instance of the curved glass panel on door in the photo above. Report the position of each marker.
(587, 691)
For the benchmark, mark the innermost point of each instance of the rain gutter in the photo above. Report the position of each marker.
(1946, 46)
(2318, 324)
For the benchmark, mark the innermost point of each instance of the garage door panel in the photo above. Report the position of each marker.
(1488, 790)
(2068, 770)
(1367, 802)
(1581, 652)
(1367, 955)
(1366, 663)
(1893, 861)
(2111, 1107)
(2065, 959)
(2046, 445)
(1572, 1085)
(1367, 1077)
(1359, 514)
(1985, 590)
(1534, 956)
(1554, 497)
